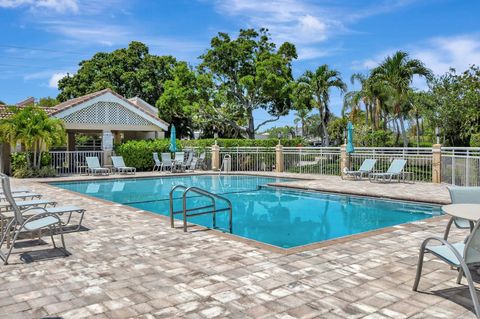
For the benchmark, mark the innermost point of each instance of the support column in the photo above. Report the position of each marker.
(215, 157)
(344, 159)
(70, 141)
(437, 163)
(279, 158)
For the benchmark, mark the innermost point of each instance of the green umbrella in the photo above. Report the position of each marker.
(350, 148)
(173, 140)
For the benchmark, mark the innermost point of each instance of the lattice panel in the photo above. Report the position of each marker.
(106, 113)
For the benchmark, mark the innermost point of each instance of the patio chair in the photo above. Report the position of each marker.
(23, 196)
(36, 222)
(459, 255)
(166, 161)
(120, 167)
(93, 166)
(395, 170)
(192, 165)
(158, 164)
(462, 195)
(365, 169)
(201, 161)
(179, 160)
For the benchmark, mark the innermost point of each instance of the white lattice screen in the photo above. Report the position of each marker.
(106, 112)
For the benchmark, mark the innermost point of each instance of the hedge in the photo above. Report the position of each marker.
(475, 140)
(138, 153)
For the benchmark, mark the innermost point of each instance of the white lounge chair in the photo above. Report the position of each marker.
(365, 169)
(120, 167)
(157, 166)
(94, 167)
(394, 171)
(37, 222)
(166, 162)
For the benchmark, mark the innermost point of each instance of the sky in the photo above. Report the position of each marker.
(42, 40)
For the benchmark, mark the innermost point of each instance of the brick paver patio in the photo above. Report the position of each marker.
(130, 264)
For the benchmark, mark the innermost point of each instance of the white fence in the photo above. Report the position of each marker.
(312, 160)
(73, 162)
(461, 166)
(250, 158)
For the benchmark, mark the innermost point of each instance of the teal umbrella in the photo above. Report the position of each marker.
(173, 140)
(350, 148)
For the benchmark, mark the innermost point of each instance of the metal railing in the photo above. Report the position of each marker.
(461, 166)
(73, 162)
(250, 158)
(312, 160)
(200, 210)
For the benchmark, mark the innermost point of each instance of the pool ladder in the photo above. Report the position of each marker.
(197, 211)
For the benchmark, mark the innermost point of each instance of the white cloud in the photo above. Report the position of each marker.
(53, 82)
(439, 54)
(60, 6)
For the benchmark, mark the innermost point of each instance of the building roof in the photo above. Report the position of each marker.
(79, 100)
(6, 110)
(135, 102)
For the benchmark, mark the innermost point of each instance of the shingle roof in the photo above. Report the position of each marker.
(6, 110)
(79, 100)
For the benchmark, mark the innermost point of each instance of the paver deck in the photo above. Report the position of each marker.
(131, 264)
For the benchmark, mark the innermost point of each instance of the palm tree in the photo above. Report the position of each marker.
(301, 116)
(32, 127)
(319, 84)
(397, 71)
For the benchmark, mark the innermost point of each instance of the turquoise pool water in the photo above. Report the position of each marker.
(280, 217)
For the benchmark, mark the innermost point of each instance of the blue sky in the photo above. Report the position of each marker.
(41, 40)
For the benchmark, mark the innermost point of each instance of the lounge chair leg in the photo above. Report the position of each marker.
(63, 240)
(51, 236)
(460, 275)
(447, 230)
(17, 232)
(419, 267)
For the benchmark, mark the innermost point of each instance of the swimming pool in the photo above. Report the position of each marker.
(276, 216)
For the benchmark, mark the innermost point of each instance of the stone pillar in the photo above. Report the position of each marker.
(279, 158)
(344, 159)
(437, 163)
(215, 157)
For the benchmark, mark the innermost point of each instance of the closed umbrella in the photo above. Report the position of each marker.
(350, 148)
(173, 140)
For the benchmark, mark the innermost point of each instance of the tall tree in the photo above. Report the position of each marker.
(318, 85)
(131, 71)
(250, 73)
(397, 71)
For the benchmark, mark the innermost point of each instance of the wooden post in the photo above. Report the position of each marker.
(70, 141)
(215, 157)
(279, 158)
(344, 159)
(437, 163)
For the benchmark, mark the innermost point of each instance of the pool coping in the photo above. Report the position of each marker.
(248, 241)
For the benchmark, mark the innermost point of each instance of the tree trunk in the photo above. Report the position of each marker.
(404, 133)
(397, 131)
(35, 155)
(418, 129)
(251, 124)
(323, 128)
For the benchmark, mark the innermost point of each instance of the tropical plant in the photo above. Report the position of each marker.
(316, 86)
(397, 72)
(32, 127)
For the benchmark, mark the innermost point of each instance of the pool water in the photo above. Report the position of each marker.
(280, 217)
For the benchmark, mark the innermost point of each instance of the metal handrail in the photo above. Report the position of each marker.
(213, 197)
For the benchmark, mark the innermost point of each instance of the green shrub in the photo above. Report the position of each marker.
(475, 140)
(139, 153)
(23, 172)
(20, 167)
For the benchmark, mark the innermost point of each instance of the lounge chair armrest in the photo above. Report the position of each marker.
(444, 242)
(40, 215)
